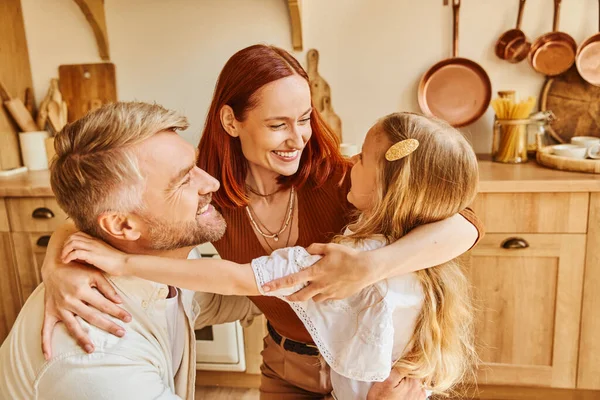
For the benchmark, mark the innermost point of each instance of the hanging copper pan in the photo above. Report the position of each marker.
(588, 57)
(553, 53)
(513, 46)
(456, 89)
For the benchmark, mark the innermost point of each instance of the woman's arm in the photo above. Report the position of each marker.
(76, 290)
(203, 275)
(344, 271)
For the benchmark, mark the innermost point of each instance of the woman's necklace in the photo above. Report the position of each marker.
(287, 242)
(286, 222)
(263, 195)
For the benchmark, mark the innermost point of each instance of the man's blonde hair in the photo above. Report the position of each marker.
(95, 169)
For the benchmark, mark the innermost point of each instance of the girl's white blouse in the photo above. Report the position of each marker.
(360, 337)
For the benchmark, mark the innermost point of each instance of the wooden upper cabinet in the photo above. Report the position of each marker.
(528, 302)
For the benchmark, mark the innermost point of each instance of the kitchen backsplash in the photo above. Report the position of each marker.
(373, 52)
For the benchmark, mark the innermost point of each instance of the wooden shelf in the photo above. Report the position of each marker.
(295, 7)
(94, 13)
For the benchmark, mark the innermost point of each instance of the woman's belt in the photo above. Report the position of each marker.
(292, 345)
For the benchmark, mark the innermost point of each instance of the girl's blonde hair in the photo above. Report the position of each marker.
(436, 181)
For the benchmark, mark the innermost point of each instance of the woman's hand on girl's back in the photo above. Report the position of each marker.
(72, 290)
(342, 272)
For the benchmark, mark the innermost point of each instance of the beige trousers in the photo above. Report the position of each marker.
(290, 376)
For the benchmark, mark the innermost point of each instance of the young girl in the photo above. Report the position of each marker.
(413, 170)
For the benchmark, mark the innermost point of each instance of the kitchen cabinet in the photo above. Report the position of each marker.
(531, 277)
(30, 249)
(32, 221)
(528, 302)
(9, 297)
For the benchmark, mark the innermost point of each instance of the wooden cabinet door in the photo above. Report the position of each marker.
(528, 302)
(10, 300)
(30, 249)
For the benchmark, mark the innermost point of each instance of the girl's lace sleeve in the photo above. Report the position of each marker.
(280, 263)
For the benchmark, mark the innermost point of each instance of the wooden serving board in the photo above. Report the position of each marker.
(547, 159)
(575, 103)
(15, 72)
(321, 93)
(86, 87)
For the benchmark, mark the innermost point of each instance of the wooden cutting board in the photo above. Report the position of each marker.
(86, 87)
(15, 72)
(321, 93)
(575, 103)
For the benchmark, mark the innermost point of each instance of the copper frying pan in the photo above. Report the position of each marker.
(588, 58)
(513, 46)
(553, 53)
(456, 89)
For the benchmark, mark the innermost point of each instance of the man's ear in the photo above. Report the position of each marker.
(120, 226)
(228, 121)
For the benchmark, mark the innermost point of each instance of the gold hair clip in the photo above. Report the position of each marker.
(401, 149)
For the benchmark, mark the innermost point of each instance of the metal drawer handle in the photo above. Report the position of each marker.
(43, 241)
(42, 213)
(515, 243)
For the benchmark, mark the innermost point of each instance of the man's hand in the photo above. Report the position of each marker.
(397, 387)
(341, 272)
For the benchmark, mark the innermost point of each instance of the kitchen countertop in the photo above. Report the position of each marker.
(493, 178)
(28, 184)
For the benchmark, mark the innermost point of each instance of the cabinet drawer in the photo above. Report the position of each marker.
(35, 214)
(30, 249)
(533, 212)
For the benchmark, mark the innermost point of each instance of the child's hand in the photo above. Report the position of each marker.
(342, 272)
(83, 247)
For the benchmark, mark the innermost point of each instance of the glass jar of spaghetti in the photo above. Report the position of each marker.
(509, 144)
(517, 139)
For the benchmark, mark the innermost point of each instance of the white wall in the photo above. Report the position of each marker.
(373, 52)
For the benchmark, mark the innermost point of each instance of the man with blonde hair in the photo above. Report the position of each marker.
(124, 175)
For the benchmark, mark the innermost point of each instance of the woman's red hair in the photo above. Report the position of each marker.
(221, 155)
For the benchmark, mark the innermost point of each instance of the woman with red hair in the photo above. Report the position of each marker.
(284, 183)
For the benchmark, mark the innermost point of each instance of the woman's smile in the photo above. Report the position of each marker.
(286, 155)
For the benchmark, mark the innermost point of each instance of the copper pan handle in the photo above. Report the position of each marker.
(455, 12)
(520, 14)
(556, 15)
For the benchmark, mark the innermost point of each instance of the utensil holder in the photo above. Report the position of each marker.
(33, 149)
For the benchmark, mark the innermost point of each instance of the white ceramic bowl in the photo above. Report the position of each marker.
(585, 141)
(570, 150)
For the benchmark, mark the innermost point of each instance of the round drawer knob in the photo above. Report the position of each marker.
(42, 213)
(515, 243)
